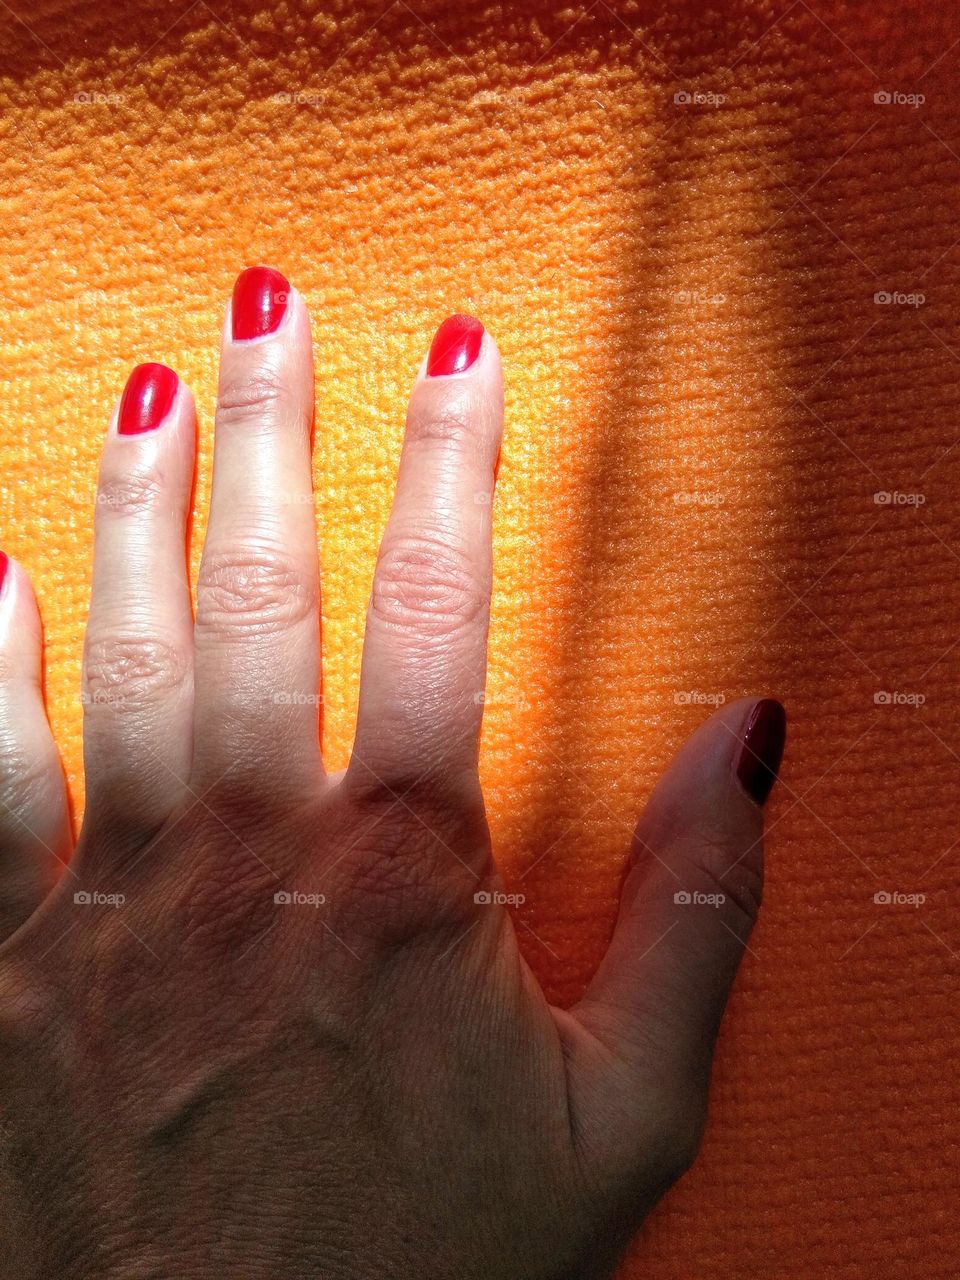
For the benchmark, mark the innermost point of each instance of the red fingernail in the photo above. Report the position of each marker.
(4, 565)
(259, 301)
(455, 346)
(146, 399)
(762, 749)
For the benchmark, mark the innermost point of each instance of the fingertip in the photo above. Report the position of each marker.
(455, 346)
(266, 347)
(21, 632)
(263, 306)
(763, 736)
(461, 348)
(739, 732)
(15, 584)
(154, 398)
(458, 392)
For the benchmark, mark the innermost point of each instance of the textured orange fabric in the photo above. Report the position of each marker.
(703, 399)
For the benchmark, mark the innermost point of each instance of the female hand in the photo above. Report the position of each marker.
(269, 1023)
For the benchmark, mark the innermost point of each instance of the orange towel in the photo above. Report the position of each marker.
(677, 222)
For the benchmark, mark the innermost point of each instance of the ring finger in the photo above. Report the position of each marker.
(138, 678)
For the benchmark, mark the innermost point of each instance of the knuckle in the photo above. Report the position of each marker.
(25, 776)
(744, 889)
(228, 907)
(130, 672)
(250, 399)
(451, 422)
(384, 881)
(136, 493)
(11, 667)
(414, 868)
(426, 585)
(253, 591)
(28, 1004)
(720, 866)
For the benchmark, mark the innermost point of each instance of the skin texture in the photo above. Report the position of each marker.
(270, 1023)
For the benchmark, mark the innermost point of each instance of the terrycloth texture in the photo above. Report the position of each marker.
(703, 400)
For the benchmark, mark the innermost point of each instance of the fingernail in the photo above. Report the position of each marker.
(455, 346)
(4, 565)
(762, 749)
(147, 399)
(259, 301)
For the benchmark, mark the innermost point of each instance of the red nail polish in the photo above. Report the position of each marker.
(147, 399)
(762, 749)
(259, 301)
(455, 346)
(4, 565)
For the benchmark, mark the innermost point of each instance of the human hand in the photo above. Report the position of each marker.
(270, 1023)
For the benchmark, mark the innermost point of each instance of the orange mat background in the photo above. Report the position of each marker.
(703, 399)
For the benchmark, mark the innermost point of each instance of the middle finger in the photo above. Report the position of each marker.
(258, 627)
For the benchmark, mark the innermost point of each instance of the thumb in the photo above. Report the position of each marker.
(688, 904)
